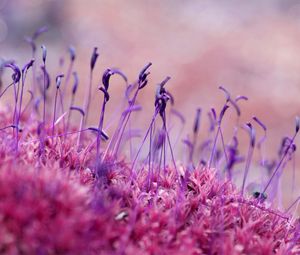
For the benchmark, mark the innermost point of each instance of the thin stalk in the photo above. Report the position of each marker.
(100, 127)
(8, 86)
(294, 175)
(248, 162)
(150, 173)
(120, 130)
(88, 97)
(143, 141)
(70, 68)
(80, 125)
(214, 148)
(162, 150)
(16, 93)
(62, 107)
(125, 121)
(20, 109)
(79, 134)
(44, 96)
(58, 135)
(292, 205)
(169, 141)
(224, 147)
(70, 112)
(279, 164)
(54, 112)
(29, 102)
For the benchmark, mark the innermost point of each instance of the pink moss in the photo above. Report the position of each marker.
(46, 212)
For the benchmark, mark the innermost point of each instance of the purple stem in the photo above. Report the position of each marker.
(62, 94)
(100, 127)
(88, 98)
(28, 104)
(44, 96)
(291, 206)
(80, 127)
(279, 164)
(214, 148)
(169, 141)
(130, 141)
(20, 109)
(161, 155)
(144, 139)
(165, 154)
(16, 92)
(182, 120)
(3, 92)
(54, 112)
(10, 126)
(223, 145)
(70, 112)
(70, 68)
(248, 162)
(124, 121)
(150, 173)
(59, 135)
(62, 107)
(294, 175)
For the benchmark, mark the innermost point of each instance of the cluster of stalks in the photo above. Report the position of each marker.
(45, 123)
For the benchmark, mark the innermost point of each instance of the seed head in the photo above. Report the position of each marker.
(94, 58)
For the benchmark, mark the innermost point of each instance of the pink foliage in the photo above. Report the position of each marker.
(46, 212)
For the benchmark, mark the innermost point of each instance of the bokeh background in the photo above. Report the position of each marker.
(250, 47)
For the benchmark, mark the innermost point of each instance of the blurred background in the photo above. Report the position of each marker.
(252, 48)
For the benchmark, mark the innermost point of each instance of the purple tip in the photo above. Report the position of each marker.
(105, 92)
(58, 80)
(119, 72)
(163, 83)
(251, 133)
(94, 58)
(108, 73)
(143, 76)
(214, 114)
(235, 106)
(72, 53)
(223, 112)
(17, 73)
(297, 124)
(28, 65)
(105, 78)
(212, 121)
(80, 110)
(197, 121)
(37, 33)
(40, 31)
(143, 72)
(76, 82)
(44, 53)
(47, 76)
(227, 94)
(238, 98)
(263, 126)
